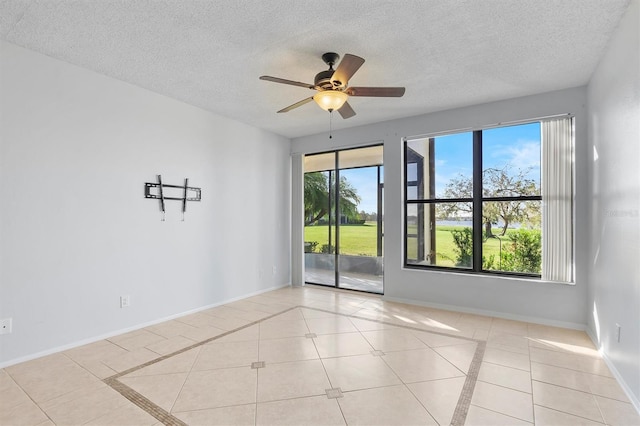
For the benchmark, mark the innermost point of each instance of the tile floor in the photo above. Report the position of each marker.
(304, 356)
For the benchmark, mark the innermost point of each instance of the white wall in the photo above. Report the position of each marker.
(614, 165)
(76, 231)
(517, 298)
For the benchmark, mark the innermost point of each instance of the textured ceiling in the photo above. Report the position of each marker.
(447, 53)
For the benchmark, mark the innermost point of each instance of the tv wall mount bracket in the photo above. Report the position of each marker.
(156, 191)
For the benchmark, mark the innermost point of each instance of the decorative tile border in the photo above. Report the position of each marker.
(458, 419)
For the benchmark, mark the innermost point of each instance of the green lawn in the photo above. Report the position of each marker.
(361, 240)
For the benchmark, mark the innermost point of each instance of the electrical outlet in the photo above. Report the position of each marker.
(618, 329)
(274, 269)
(125, 301)
(6, 325)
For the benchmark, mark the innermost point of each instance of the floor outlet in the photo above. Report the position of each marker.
(125, 301)
(6, 325)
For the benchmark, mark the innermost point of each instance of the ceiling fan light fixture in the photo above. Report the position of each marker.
(330, 100)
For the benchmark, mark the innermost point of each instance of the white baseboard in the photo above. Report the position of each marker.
(94, 339)
(627, 390)
(503, 315)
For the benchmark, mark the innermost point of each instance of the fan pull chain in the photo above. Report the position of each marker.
(330, 123)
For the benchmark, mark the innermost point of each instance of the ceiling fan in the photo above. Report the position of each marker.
(332, 86)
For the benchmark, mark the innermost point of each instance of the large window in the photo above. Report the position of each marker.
(474, 201)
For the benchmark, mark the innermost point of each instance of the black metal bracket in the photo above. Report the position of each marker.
(196, 194)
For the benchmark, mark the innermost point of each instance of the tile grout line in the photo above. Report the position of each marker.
(464, 401)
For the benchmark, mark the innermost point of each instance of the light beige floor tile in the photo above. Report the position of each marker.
(344, 344)
(390, 340)
(439, 397)
(420, 365)
(566, 400)
(316, 410)
(312, 313)
(605, 386)
(503, 400)
(583, 349)
(26, 413)
(271, 329)
(292, 380)
(226, 354)
(171, 345)
(292, 315)
(506, 358)
(248, 333)
(181, 363)
(505, 376)
(170, 329)
(230, 323)
(238, 415)
(557, 359)
(197, 320)
(548, 417)
(359, 372)
(436, 340)
(287, 349)
(125, 415)
(136, 339)
(594, 366)
(481, 334)
(131, 359)
(217, 388)
(161, 389)
(458, 355)
(203, 333)
(97, 351)
(617, 413)
(337, 324)
(88, 405)
(43, 382)
(476, 321)
(560, 376)
(367, 325)
(12, 394)
(478, 416)
(510, 326)
(506, 341)
(393, 405)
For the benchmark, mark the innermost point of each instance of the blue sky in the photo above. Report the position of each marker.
(518, 146)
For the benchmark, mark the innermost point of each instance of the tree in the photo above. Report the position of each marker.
(316, 197)
(496, 183)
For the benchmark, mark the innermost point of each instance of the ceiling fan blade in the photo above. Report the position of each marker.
(347, 68)
(284, 81)
(346, 111)
(384, 92)
(296, 105)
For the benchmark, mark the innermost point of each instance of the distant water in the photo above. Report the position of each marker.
(470, 223)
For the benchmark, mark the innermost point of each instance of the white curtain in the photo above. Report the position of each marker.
(557, 199)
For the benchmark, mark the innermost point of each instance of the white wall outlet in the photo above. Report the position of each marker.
(6, 325)
(618, 329)
(125, 301)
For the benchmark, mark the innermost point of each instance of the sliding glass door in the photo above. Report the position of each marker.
(343, 194)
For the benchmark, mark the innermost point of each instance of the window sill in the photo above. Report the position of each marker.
(502, 276)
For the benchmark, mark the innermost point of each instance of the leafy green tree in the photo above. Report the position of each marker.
(316, 197)
(495, 183)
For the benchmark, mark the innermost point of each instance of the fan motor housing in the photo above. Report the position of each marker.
(323, 79)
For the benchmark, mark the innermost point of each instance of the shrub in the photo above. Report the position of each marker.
(327, 249)
(463, 239)
(310, 246)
